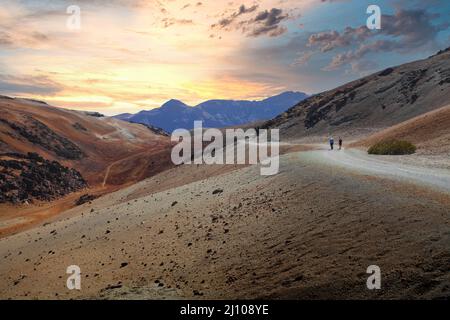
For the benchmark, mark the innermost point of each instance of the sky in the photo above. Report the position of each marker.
(130, 55)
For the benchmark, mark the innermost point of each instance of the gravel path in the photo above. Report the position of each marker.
(362, 162)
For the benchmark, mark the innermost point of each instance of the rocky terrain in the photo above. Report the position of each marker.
(202, 232)
(39, 134)
(81, 150)
(226, 231)
(86, 198)
(87, 142)
(25, 178)
(155, 130)
(370, 104)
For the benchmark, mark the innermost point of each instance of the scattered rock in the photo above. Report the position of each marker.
(79, 126)
(386, 72)
(113, 286)
(197, 293)
(94, 114)
(85, 198)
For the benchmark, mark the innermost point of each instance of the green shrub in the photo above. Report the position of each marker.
(392, 147)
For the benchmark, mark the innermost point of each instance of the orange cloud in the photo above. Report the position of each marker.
(130, 55)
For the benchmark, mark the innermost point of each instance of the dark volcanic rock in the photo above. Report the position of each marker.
(379, 100)
(153, 129)
(30, 177)
(386, 72)
(79, 126)
(85, 198)
(38, 133)
(94, 114)
(323, 105)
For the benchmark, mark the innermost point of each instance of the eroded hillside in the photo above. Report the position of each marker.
(372, 103)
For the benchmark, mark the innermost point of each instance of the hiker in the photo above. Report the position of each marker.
(331, 143)
(340, 143)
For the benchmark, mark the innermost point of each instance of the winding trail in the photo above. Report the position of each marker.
(108, 169)
(362, 162)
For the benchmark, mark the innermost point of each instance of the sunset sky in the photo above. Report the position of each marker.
(133, 55)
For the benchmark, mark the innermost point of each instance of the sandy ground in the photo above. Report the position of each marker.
(226, 232)
(14, 219)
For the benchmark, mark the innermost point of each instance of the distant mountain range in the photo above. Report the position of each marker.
(175, 114)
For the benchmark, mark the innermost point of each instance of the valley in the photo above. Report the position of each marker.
(309, 232)
(141, 227)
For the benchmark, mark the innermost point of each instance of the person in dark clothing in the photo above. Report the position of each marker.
(340, 143)
(331, 143)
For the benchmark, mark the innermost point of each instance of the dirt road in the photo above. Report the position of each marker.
(359, 161)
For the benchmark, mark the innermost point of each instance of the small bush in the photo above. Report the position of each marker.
(392, 147)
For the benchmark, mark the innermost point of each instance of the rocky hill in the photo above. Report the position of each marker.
(40, 135)
(372, 103)
(102, 152)
(25, 178)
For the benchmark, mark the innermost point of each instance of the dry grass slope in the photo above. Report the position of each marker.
(430, 132)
